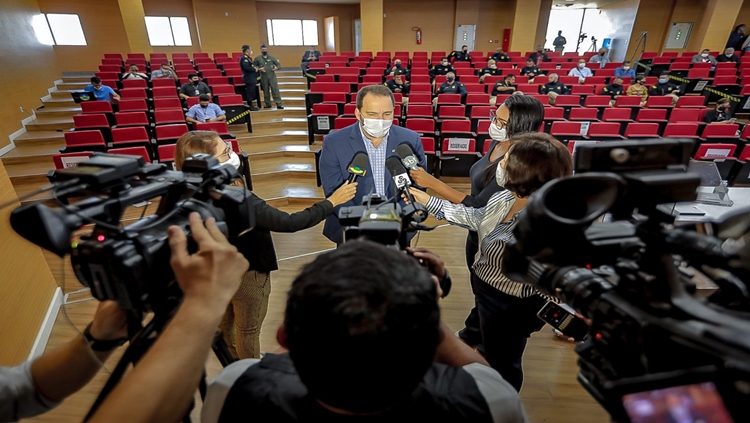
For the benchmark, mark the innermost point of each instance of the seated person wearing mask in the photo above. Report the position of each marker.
(101, 92)
(506, 86)
(625, 70)
(720, 114)
(531, 70)
(491, 69)
(728, 56)
(310, 56)
(394, 360)
(450, 86)
(500, 56)
(639, 88)
(41, 384)
(704, 57)
(205, 111)
(441, 69)
(194, 88)
(399, 85)
(134, 74)
(538, 56)
(165, 71)
(664, 87)
(581, 71)
(461, 56)
(397, 66)
(553, 88)
(614, 90)
(600, 58)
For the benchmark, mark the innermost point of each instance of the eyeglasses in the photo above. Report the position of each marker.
(498, 121)
(227, 152)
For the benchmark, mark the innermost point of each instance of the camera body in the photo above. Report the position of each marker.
(381, 221)
(130, 265)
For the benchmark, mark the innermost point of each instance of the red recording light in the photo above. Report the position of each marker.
(588, 266)
(554, 315)
(598, 336)
(100, 238)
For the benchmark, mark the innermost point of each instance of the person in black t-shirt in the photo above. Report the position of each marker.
(500, 56)
(720, 114)
(491, 69)
(614, 90)
(362, 341)
(506, 86)
(531, 70)
(553, 88)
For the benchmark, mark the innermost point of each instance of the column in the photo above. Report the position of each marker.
(718, 23)
(135, 25)
(371, 14)
(525, 23)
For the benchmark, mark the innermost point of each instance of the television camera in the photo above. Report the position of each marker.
(633, 277)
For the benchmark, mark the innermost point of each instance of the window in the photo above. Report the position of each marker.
(292, 32)
(168, 31)
(57, 29)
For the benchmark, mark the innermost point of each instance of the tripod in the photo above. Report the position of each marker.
(142, 338)
(640, 45)
(593, 47)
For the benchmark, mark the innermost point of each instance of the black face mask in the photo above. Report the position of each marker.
(540, 51)
(196, 82)
(616, 86)
(265, 53)
(464, 51)
(723, 109)
(449, 80)
(205, 107)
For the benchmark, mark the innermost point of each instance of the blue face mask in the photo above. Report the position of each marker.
(398, 65)
(663, 80)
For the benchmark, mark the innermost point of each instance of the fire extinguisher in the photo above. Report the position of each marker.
(419, 34)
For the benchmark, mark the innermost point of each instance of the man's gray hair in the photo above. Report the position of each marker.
(376, 90)
(553, 74)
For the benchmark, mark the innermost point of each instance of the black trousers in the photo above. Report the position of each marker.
(250, 93)
(506, 323)
(471, 333)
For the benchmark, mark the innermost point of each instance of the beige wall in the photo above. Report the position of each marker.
(102, 25)
(541, 27)
(436, 18)
(652, 16)
(372, 26)
(28, 66)
(744, 16)
(225, 25)
(495, 16)
(291, 56)
(26, 283)
(181, 8)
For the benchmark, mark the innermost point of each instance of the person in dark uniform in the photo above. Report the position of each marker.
(249, 76)
(503, 87)
(399, 85)
(491, 69)
(553, 88)
(461, 56)
(310, 56)
(614, 90)
(442, 69)
(539, 55)
(450, 86)
(500, 56)
(531, 69)
(397, 66)
(664, 87)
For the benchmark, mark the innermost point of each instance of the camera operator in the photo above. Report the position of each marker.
(507, 309)
(244, 317)
(161, 387)
(37, 386)
(365, 343)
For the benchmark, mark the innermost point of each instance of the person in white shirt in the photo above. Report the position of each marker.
(581, 71)
(134, 74)
(205, 111)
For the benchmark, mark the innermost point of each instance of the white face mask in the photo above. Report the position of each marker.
(233, 160)
(730, 55)
(704, 55)
(497, 133)
(377, 128)
(625, 67)
(501, 176)
(581, 65)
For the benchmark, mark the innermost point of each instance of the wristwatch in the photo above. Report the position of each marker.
(99, 345)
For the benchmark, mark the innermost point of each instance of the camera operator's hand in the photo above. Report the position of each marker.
(110, 322)
(211, 275)
(419, 196)
(430, 260)
(343, 194)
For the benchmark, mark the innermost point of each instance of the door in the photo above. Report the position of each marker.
(358, 36)
(464, 37)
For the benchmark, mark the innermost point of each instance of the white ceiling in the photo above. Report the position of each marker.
(579, 4)
(315, 1)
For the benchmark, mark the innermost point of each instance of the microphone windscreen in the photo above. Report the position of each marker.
(359, 164)
(404, 151)
(398, 172)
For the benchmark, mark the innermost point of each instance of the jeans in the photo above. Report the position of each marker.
(240, 326)
(506, 323)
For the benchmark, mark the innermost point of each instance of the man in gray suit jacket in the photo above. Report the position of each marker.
(704, 57)
(373, 135)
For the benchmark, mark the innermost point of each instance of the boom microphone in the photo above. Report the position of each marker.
(407, 156)
(358, 167)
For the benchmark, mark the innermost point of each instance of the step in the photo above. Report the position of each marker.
(293, 84)
(60, 102)
(86, 80)
(62, 93)
(72, 86)
(29, 166)
(277, 168)
(58, 112)
(289, 111)
(42, 123)
(290, 100)
(34, 137)
(33, 153)
(293, 187)
(288, 92)
(285, 123)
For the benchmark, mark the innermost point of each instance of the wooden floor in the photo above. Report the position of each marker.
(283, 169)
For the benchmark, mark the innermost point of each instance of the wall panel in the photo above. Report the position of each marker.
(494, 17)
(225, 25)
(436, 18)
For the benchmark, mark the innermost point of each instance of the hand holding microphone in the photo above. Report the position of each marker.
(403, 184)
(410, 161)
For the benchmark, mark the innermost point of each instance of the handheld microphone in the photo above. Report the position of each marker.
(403, 183)
(407, 156)
(358, 167)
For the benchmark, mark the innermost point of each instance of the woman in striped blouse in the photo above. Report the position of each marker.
(507, 309)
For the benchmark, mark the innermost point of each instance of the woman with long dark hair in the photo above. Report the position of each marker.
(517, 115)
(507, 309)
(244, 317)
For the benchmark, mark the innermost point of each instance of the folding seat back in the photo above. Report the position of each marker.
(604, 130)
(163, 83)
(568, 101)
(135, 105)
(133, 93)
(721, 131)
(343, 122)
(419, 110)
(220, 90)
(458, 155)
(169, 103)
(133, 135)
(450, 126)
(680, 130)
(96, 107)
(168, 116)
(628, 101)
(230, 100)
(583, 114)
(651, 115)
(134, 83)
(87, 121)
(76, 141)
(420, 98)
(642, 130)
(452, 112)
(597, 101)
(566, 131)
(680, 114)
(698, 73)
(421, 126)
(169, 134)
(616, 114)
(659, 101)
(126, 119)
(220, 128)
(110, 68)
(715, 151)
(725, 80)
(70, 160)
